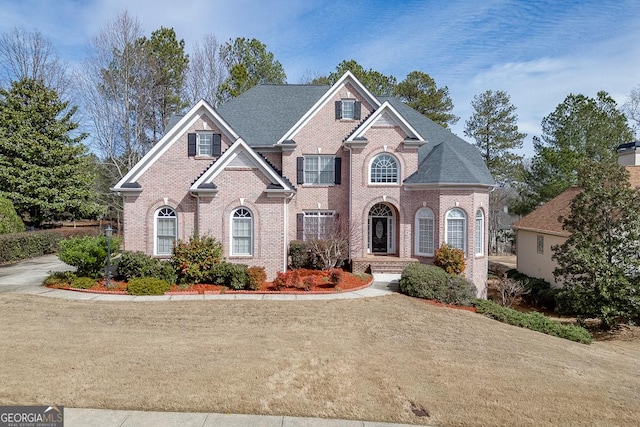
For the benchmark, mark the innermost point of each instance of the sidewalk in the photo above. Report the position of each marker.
(112, 418)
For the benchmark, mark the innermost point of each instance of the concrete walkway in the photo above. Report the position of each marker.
(26, 277)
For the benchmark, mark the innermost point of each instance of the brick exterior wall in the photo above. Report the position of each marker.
(167, 182)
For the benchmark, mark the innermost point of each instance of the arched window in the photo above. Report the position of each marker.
(166, 230)
(384, 170)
(456, 229)
(424, 232)
(241, 232)
(479, 233)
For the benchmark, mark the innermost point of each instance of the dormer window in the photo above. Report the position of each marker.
(348, 109)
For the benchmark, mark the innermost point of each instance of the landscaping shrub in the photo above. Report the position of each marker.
(19, 246)
(83, 282)
(87, 254)
(147, 286)
(335, 276)
(534, 321)
(194, 260)
(450, 259)
(256, 276)
(288, 279)
(430, 282)
(301, 256)
(60, 278)
(10, 221)
(234, 276)
(540, 294)
(139, 264)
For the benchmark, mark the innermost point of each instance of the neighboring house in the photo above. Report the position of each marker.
(283, 162)
(537, 232)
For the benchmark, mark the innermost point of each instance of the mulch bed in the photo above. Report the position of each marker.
(318, 284)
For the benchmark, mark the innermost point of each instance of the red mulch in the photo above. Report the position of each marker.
(317, 281)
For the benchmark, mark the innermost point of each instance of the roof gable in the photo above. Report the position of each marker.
(347, 78)
(386, 113)
(202, 108)
(238, 155)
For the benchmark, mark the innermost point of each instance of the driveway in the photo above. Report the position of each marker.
(29, 273)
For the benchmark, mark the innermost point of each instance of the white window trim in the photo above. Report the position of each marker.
(315, 214)
(479, 233)
(417, 230)
(464, 229)
(332, 162)
(198, 135)
(251, 237)
(389, 184)
(353, 108)
(155, 229)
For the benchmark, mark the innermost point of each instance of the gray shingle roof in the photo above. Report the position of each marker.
(264, 113)
(445, 158)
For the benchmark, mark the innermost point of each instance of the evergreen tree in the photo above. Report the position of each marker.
(494, 126)
(599, 264)
(419, 91)
(580, 130)
(43, 168)
(249, 63)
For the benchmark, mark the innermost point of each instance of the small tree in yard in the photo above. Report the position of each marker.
(599, 264)
(333, 248)
(450, 259)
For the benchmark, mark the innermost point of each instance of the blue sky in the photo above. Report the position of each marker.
(538, 51)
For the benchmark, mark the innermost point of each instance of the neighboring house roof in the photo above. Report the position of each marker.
(264, 113)
(545, 218)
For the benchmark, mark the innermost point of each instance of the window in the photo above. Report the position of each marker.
(166, 230)
(424, 232)
(456, 229)
(319, 170)
(205, 144)
(348, 109)
(384, 170)
(479, 233)
(317, 224)
(540, 243)
(241, 232)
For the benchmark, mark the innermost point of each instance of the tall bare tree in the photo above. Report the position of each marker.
(206, 72)
(28, 54)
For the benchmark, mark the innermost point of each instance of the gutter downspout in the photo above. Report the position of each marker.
(350, 201)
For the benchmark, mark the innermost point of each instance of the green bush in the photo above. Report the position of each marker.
(195, 260)
(19, 246)
(10, 221)
(540, 292)
(534, 321)
(430, 282)
(88, 254)
(234, 276)
(256, 276)
(147, 286)
(302, 256)
(450, 259)
(65, 278)
(139, 264)
(83, 282)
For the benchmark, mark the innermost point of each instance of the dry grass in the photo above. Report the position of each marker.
(368, 359)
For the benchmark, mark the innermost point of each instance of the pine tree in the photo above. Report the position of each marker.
(44, 170)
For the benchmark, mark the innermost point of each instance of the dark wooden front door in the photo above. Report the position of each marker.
(379, 235)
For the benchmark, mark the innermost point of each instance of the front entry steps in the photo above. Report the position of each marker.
(381, 264)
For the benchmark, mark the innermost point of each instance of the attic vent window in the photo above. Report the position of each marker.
(348, 109)
(204, 144)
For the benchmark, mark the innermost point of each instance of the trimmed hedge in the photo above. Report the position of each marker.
(234, 276)
(18, 246)
(534, 321)
(431, 282)
(147, 286)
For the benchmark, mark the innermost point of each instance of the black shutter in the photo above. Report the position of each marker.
(337, 170)
(338, 110)
(356, 110)
(300, 170)
(191, 144)
(217, 145)
(300, 226)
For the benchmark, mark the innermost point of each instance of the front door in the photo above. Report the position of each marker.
(379, 235)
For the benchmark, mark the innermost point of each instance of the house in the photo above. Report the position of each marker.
(283, 162)
(540, 230)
